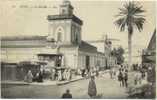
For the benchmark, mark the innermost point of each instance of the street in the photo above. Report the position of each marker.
(106, 88)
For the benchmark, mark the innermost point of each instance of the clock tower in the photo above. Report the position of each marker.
(65, 28)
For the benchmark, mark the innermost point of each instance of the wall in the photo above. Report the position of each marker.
(8, 71)
(63, 24)
(19, 54)
(70, 56)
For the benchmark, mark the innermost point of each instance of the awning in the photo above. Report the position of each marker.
(47, 54)
(151, 58)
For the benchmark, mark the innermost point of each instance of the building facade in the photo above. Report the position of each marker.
(63, 47)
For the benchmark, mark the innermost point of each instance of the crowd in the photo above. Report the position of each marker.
(144, 73)
(58, 75)
(120, 73)
(61, 75)
(37, 78)
(94, 71)
(123, 76)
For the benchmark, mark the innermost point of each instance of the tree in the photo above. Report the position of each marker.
(129, 18)
(118, 53)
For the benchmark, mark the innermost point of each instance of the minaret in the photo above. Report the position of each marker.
(65, 28)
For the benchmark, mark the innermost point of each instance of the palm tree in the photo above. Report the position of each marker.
(129, 18)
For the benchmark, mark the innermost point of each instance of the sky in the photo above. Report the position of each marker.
(24, 17)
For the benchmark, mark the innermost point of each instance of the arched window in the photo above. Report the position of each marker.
(59, 34)
(59, 37)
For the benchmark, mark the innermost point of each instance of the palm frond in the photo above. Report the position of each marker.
(130, 16)
(138, 22)
(121, 23)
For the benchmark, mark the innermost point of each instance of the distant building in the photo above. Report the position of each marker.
(63, 47)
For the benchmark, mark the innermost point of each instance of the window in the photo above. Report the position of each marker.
(59, 37)
(59, 34)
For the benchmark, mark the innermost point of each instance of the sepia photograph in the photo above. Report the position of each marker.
(78, 49)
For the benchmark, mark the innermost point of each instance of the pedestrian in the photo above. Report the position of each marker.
(29, 77)
(138, 78)
(92, 72)
(69, 74)
(92, 91)
(67, 94)
(126, 78)
(143, 73)
(40, 77)
(52, 74)
(59, 75)
(36, 77)
(111, 73)
(86, 73)
(97, 72)
(83, 72)
(120, 77)
(56, 75)
(123, 77)
(64, 75)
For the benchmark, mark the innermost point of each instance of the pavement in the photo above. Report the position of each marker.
(46, 82)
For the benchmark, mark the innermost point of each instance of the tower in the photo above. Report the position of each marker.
(65, 27)
(66, 8)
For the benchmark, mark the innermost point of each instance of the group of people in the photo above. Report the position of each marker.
(36, 78)
(60, 75)
(87, 73)
(67, 74)
(144, 74)
(123, 76)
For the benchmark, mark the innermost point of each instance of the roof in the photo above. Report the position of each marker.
(7, 63)
(44, 54)
(100, 53)
(84, 46)
(150, 58)
(40, 41)
(152, 43)
(24, 41)
(15, 38)
(60, 17)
